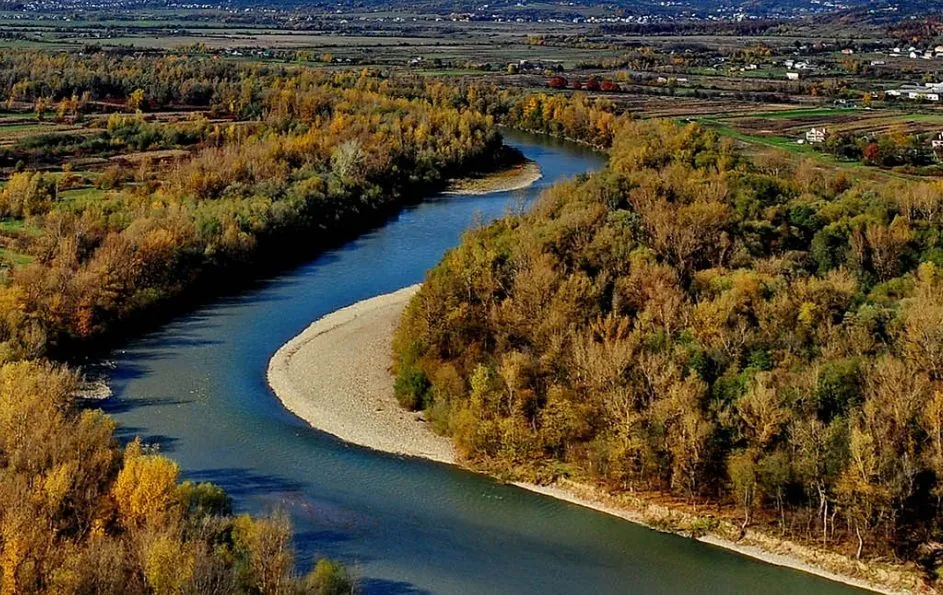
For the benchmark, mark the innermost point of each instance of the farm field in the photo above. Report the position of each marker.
(795, 122)
(783, 130)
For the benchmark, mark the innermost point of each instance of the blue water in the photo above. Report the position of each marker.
(197, 388)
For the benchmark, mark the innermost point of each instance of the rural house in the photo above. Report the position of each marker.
(816, 135)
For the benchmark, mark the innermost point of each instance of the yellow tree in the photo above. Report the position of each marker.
(145, 491)
(136, 100)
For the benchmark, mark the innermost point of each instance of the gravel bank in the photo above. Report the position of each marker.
(515, 178)
(335, 376)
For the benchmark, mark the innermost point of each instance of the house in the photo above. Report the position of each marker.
(816, 135)
(793, 76)
(848, 51)
(929, 92)
(789, 63)
(878, 62)
(913, 55)
(925, 96)
(937, 141)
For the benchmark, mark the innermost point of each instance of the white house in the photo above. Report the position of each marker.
(937, 141)
(816, 135)
(793, 76)
(921, 94)
(929, 92)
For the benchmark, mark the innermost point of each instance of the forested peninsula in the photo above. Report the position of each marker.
(759, 339)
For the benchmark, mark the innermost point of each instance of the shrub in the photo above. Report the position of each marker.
(330, 578)
(412, 388)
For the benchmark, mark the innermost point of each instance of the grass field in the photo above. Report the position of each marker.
(10, 133)
(13, 258)
(81, 196)
(17, 227)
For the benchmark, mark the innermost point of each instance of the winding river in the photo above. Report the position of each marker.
(197, 387)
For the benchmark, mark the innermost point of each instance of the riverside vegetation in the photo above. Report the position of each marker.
(760, 335)
(300, 158)
(270, 162)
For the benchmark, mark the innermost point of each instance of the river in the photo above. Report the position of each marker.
(196, 386)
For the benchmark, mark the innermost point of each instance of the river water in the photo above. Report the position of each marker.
(196, 386)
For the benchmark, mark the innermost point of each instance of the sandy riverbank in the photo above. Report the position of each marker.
(335, 376)
(514, 178)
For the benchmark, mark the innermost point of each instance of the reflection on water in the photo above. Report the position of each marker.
(197, 387)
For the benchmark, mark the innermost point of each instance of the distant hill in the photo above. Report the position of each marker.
(848, 11)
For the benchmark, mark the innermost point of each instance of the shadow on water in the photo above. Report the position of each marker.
(385, 587)
(239, 482)
(117, 405)
(179, 342)
(163, 443)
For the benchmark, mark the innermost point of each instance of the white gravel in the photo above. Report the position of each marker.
(335, 376)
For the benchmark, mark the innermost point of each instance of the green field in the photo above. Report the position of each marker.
(806, 113)
(13, 258)
(81, 196)
(17, 226)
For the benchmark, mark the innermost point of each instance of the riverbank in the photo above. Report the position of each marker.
(335, 375)
(514, 178)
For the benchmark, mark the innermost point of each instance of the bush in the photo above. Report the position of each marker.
(27, 194)
(330, 578)
(412, 388)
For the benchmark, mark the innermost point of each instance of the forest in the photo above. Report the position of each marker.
(272, 162)
(79, 514)
(298, 160)
(761, 334)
